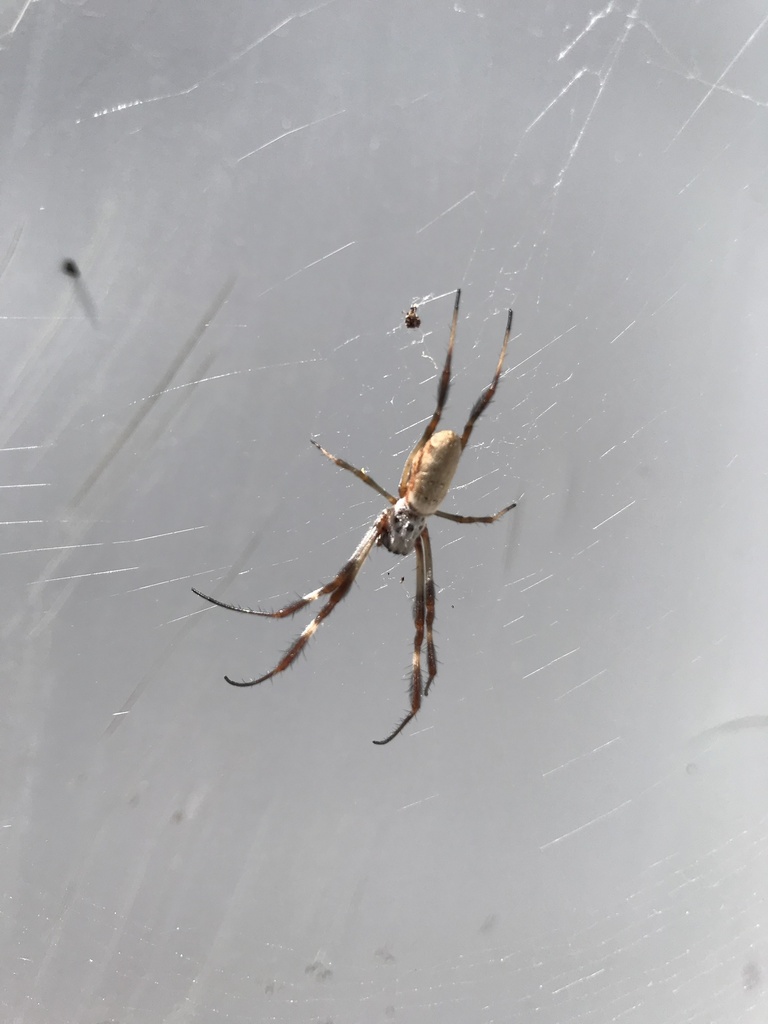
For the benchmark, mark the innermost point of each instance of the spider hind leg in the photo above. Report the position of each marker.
(443, 387)
(486, 397)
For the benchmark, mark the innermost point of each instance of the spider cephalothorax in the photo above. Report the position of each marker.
(401, 529)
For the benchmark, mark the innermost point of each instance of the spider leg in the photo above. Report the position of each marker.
(485, 398)
(476, 519)
(444, 382)
(419, 605)
(429, 593)
(338, 589)
(281, 613)
(361, 474)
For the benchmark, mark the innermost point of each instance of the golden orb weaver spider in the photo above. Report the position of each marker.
(401, 529)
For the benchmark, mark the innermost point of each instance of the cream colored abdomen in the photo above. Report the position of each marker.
(429, 471)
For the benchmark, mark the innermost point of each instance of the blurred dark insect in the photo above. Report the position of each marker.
(71, 269)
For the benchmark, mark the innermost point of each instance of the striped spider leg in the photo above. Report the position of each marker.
(337, 589)
(401, 528)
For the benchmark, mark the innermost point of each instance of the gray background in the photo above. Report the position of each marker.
(575, 828)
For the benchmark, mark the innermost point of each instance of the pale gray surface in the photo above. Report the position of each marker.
(574, 829)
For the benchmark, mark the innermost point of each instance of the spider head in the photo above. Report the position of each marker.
(404, 527)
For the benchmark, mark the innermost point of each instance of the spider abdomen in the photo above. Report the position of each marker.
(429, 471)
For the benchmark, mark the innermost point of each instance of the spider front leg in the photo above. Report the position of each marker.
(289, 609)
(423, 611)
(429, 595)
(338, 588)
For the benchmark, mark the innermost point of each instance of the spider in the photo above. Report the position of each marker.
(412, 318)
(401, 529)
